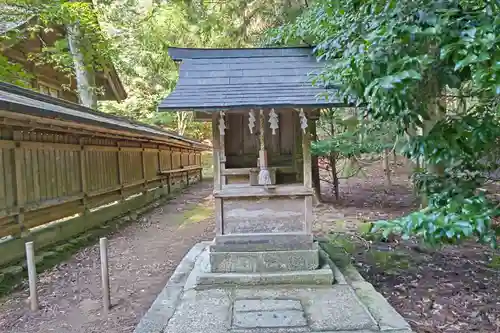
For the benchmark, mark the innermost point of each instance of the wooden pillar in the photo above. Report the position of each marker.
(199, 164)
(217, 176)
(144, 176)
(18, 180)
(120, 169)
(169, 176)
(223, 178)
(158, 171)
(216, 152)
(83, 176)
(306, 152)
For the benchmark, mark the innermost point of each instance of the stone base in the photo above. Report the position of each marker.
(205, 278)
(264, 261)
(352, 306)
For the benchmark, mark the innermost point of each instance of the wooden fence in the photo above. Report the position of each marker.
(54, 168)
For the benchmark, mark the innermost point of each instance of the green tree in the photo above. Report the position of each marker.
(142, 35)
(85, 49)
(344, 141)
(433, 69)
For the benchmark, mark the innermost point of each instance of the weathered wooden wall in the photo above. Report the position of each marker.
(283, 149)
(48, 176)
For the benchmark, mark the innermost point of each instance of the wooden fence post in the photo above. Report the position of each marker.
(30, 262)
(18, 180)
(106, 298)
(83, 176)
(120, 169)
(144, 176)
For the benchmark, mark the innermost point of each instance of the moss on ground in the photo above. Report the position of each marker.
(197, 214)
(495, 262)
(343, 249)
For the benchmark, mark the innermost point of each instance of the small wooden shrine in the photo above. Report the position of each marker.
(263, 107)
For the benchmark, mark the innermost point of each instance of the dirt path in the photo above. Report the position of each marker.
(453, 290)
(143, 255)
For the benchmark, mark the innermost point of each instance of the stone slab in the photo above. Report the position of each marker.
(262, 241)
(264, 261)
(363, 331)
(242, 305)
(274, 330)
(205, 311)
(321, 276)
(337, 309)
(263, 215)
(388, 319)
(269, 319)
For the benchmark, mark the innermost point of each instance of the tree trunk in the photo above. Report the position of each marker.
(183, 120)
(387, 168)
(332, 159)
(85, 73)
(333, 163)
(315, 166)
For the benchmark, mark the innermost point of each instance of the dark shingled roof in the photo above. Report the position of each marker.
(24, 101)
(223, 79)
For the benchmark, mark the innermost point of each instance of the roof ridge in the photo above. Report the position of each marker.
(179, 54)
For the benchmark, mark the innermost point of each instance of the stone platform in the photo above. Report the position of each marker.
(186, 306)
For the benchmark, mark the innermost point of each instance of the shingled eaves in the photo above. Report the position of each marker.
(236, 79)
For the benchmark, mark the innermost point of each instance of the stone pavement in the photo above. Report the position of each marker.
(349, 305)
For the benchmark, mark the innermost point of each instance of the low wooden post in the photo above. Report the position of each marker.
(106, 299)
(30, 261)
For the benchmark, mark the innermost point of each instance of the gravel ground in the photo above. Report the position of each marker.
(142, 256)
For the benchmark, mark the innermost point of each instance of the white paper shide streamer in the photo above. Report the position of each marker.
(303, 120)
(251, 121)
(222, 125)
(273, 121)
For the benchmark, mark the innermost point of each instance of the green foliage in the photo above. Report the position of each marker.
(447, 222)
(432, 68)
(350, 137)
(13, 73)
(143, 35)
(344, 141)
(54, 16)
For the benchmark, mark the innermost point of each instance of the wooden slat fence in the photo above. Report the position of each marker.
(48, 176)
(61, 162)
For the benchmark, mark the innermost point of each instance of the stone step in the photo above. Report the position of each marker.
(262, 242)
(264, 261)
(322, 276)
